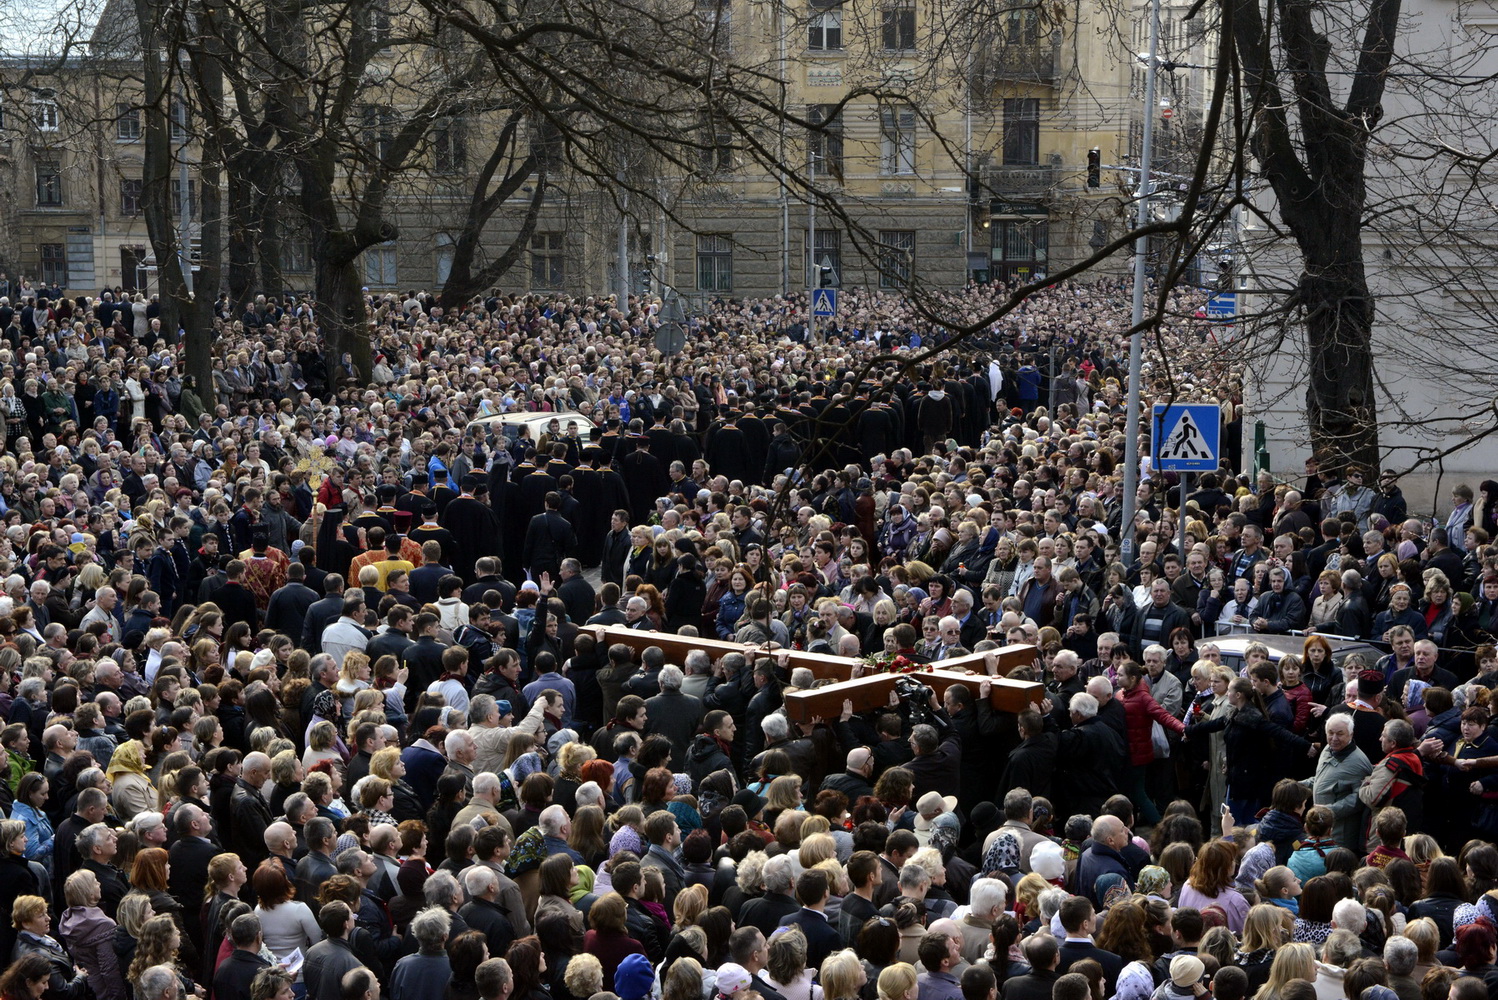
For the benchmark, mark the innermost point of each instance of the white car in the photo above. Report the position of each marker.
(509, 424)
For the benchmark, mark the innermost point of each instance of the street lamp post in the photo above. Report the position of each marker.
(1136, 339)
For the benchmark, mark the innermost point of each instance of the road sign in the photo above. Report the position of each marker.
(1223, 305)
(1187, 437)
(670, 338)
(823, 302)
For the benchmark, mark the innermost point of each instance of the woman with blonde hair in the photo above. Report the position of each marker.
(353, 677)
(1291, 962)
(690, 904)
(387, 764)
(842, 976)
(1264, 931)
(88, 934)
(783, 794)
(898, 982)
(158, 944)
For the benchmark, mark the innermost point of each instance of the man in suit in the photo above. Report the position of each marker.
(238, 970)
(289, 605)
(189, 858)
(673, 714)
(331, 959)
(821, 939)
(482, 912)
(1078, 919)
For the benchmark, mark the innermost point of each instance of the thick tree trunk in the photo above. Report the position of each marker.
(343, 315)
(156, 171)
(1340, 401)
(243, 237)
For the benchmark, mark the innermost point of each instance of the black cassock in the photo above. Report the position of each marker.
(475, 529)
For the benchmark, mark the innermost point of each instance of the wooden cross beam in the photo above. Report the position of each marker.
(868, 693)
(823, 666)
(865, 691)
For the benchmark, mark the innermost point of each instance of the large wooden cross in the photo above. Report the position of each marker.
(865, 691)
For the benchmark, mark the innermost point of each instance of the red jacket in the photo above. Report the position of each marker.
(1141, 709)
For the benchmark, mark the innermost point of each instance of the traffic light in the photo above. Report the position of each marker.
(824, 276)
(1094, 168)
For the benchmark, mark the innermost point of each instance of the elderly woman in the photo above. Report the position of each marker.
(133, 791)
(28, 915)
(88, 934)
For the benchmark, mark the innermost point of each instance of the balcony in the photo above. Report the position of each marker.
(1029, 60)
(1007, 183)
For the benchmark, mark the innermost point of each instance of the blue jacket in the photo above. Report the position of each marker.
(38, 831)
(730, 610)
(1094, 863)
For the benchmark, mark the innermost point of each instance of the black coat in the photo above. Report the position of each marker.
(548, 540)
(251, 815)
(423, 659)
(238, 605)
(287, 611)
(1031, 765)
(16, 880)
(1250, 740)
(675, 716)
(235, 973)
(189, 876)
(489, 919)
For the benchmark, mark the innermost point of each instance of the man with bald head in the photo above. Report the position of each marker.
(250, 811)
(281, 843)
(1104, 857)
(854, 780)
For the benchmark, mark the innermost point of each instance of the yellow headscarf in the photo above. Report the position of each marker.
(128, 758)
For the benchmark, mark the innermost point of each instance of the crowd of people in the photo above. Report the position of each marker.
(308, 693)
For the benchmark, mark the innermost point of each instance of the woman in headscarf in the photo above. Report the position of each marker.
(325, 708)
(1001, 860)
(1154, 881)
(133, 791)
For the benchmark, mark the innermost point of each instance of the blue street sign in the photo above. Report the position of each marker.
(1187, 437)
(1223, 306)
(823, 302)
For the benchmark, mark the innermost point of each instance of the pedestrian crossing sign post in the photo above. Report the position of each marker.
(823, 302)
(1187, 437)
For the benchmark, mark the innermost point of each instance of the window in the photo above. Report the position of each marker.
(131, 189)
(899, 29)
(548, 260)
(829, 253)
(179, 122)
(714, 262)
(827, 142)
(379, 128)
(896, 257)
(450, 147)
(126, 123)
(48, 185)
(375, 22)
(1019, 248)
(716, 18)
(192, 199)
(379, 265)
(296, 256)
(445, 255)
(1021, 131)
(717, 149)
(1022, 26)
(54, 269)
(47, 117)
(897, 140)
(825, 29)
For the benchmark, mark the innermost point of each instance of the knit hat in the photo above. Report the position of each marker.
(1186, 970)
(634, 978)
(752, 803)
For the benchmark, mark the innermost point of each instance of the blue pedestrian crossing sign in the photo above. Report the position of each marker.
(824, 302)
(1187, 437)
